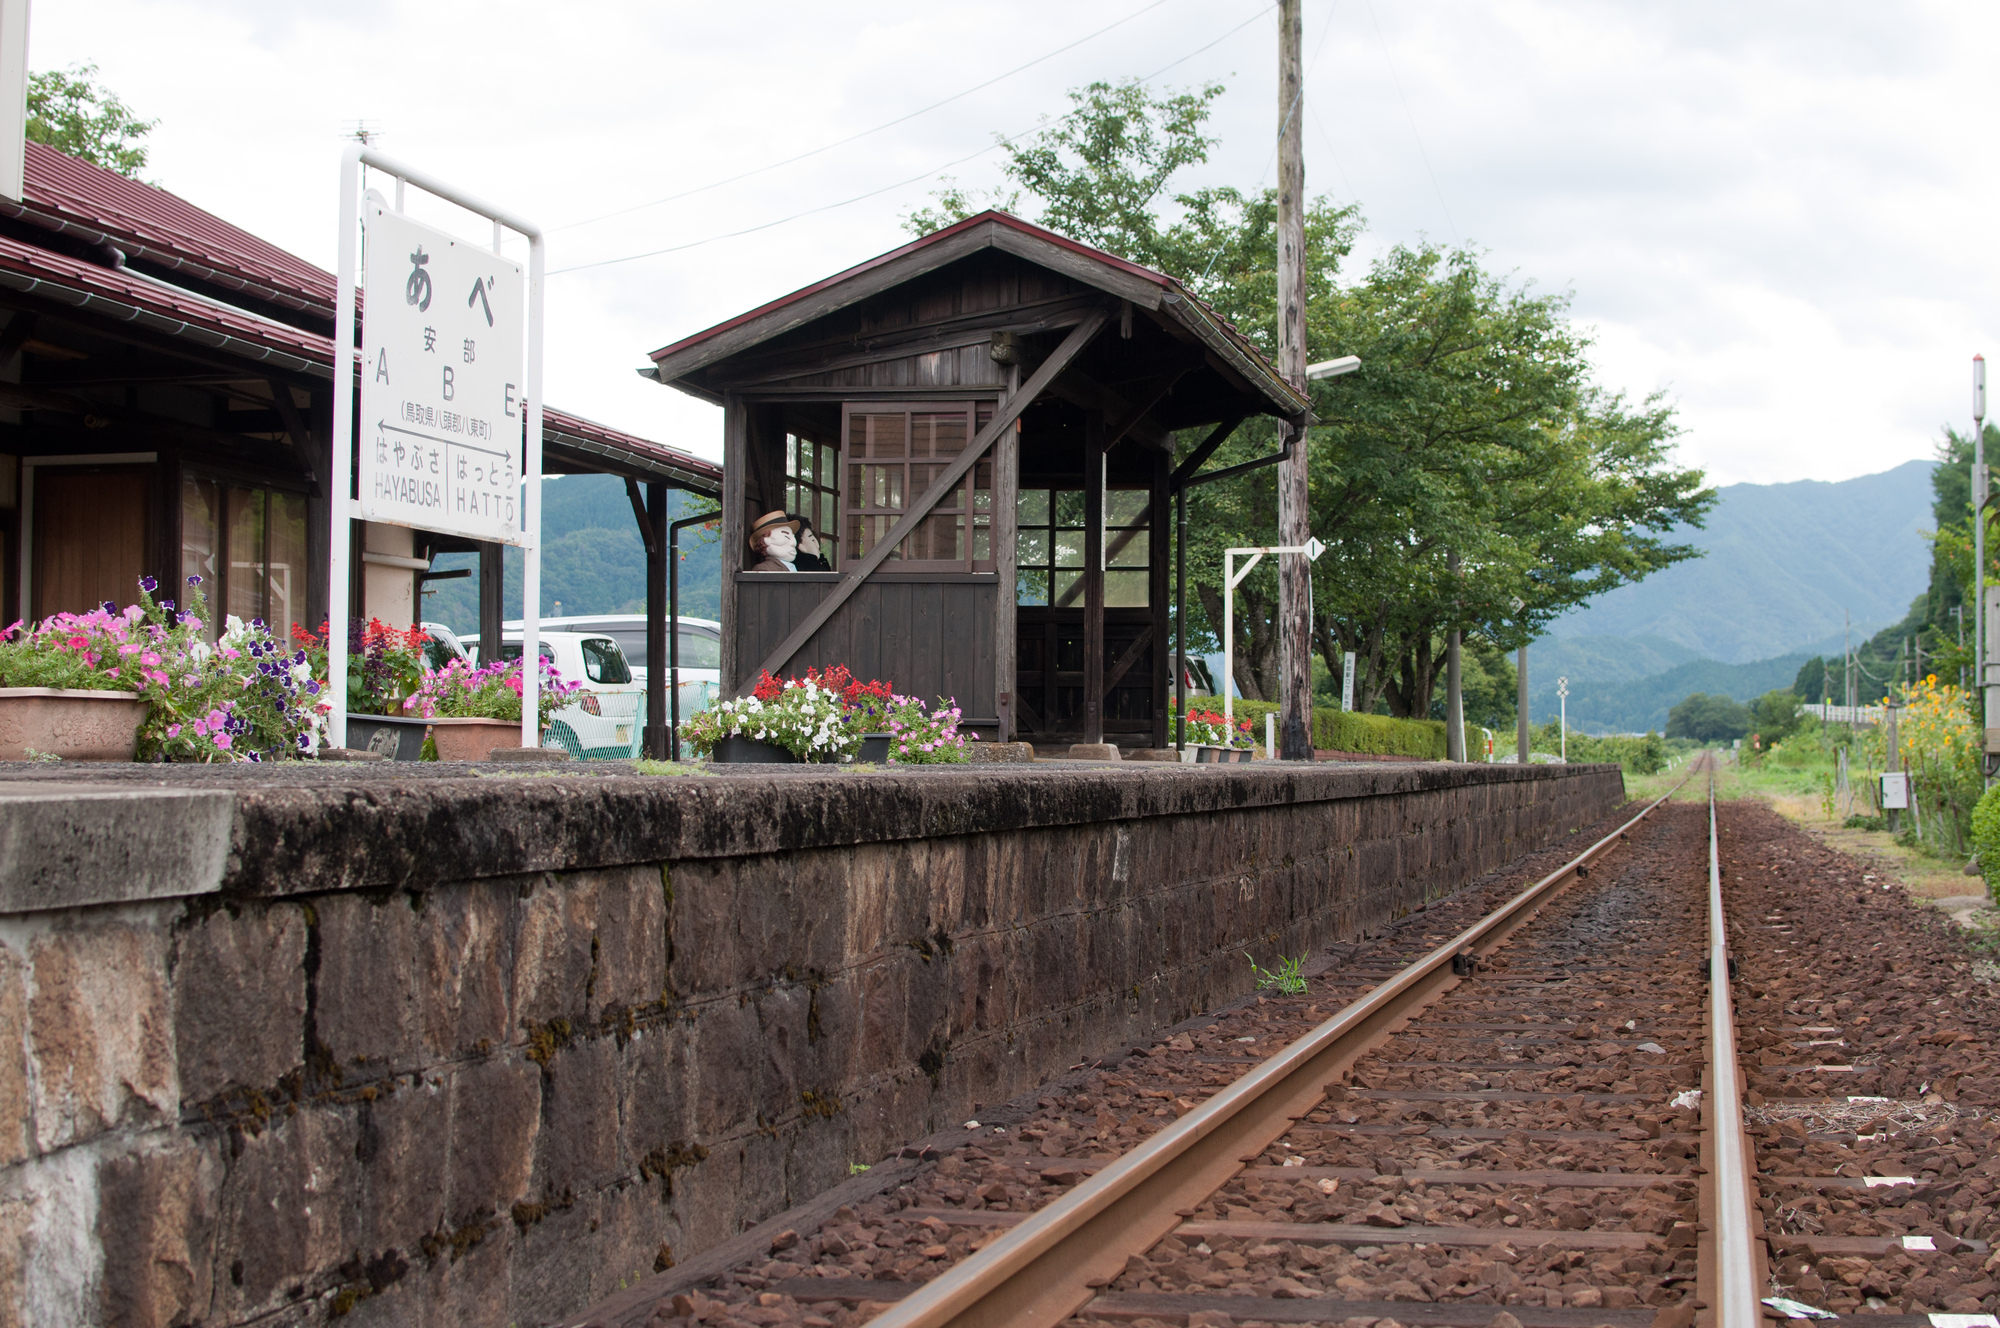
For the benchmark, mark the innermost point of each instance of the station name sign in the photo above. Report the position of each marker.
(441, 382)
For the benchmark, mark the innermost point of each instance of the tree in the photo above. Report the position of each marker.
(1810, 685)
(1706, 718)
(1775, 715)
(67, 110)
(1473, 428)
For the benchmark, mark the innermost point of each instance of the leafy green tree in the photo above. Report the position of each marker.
(1775, 716)
(1706, 718)
(1810, 685)
(1472, 431)
(69, 111)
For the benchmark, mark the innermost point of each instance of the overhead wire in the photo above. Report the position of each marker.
(1409, 115)
(853, 138)
(899, 184)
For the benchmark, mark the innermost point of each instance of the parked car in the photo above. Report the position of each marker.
(608, 717)
(701, 650)
(443, 647)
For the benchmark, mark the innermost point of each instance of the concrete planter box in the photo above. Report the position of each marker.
(473, 739)
(75, 724)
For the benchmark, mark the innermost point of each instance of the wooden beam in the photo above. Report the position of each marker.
(295, 426)
(1117, 672)
(1199, 457)
(947, 334)
(1003, 419)
(1093, 577)
(1125, 421)
(639, 512)
(735, 424)
(1006, 497)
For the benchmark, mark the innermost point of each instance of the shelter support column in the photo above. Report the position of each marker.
(735, 437)
(1006, 514)
(1093, 577)
(657, 553)
(492, 599)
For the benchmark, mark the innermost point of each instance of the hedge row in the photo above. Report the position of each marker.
(1346, 730)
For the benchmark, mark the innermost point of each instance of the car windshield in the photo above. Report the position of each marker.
(603, 661)
(437, 653)
(700, 650)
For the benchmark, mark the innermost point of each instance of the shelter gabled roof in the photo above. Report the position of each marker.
(1145, 288)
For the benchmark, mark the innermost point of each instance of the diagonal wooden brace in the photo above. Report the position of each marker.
(1003, 419)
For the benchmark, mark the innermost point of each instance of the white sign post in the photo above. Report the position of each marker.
(1231, 578)
(1347, 681)
(1562, 719)
(451, 398)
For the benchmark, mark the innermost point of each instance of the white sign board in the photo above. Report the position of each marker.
(441, 382)
(1895, 791)
(1347, 681)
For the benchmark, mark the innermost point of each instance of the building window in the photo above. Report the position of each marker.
(894, 454)
(812, 489)
(1051, 548)
(249, 548)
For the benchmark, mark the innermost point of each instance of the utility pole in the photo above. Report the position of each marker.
(1294, 518)
(1980, 627)
(1521, 705)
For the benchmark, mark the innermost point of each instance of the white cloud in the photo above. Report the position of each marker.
(1775, 212)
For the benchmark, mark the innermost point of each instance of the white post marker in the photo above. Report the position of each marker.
(450, 398)
(1231, 578)
(1347, 681)
(1271, 735)
(1562, 716)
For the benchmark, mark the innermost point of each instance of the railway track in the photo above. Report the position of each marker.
(1536, 1111)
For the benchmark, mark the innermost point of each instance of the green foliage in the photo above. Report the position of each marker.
(1643, 755)
(68, 111)
(1285, 978)
(1707, 718)
(1339, 730)
(1986, 838)
(1810, 685)
(1775, 716)
(1469, 463)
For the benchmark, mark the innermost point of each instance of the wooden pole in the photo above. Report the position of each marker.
(1454, 680)
(1093, 576)
(1294, 516)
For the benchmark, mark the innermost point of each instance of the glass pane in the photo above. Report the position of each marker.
(603, 661)
(1069, 589)
(1069, 507)
(1031, 587)
(791, 455)
(1125, 590)
(291, 564)
(945, 435)
(244, 577)
(982, 486)
(1069, 548)
(1126, 507)
(1126, 548)
(857, 435)
(886, 435)
(700, 650)
(882, 487)
(1031, 549)
(199, 522)
(938, 539)
(982, 539)
(1031, 507)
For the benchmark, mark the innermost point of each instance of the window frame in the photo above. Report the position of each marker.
(977, 519)
(808, 496)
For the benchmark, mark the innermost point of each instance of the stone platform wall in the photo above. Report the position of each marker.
(448, 1047)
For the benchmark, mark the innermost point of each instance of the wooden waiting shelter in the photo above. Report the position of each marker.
(981, 425)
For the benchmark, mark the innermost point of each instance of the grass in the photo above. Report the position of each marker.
(1285, 978)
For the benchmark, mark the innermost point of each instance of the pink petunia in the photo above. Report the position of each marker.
(173, 730)
(222, 741)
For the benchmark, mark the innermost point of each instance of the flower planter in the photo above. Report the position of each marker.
(1242, 755)
(75, 724)
(1206, 753)
(397, 737)
(738, 748)
(875, 747)
(473, 739)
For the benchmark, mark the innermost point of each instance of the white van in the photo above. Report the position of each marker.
(701, 650)
(609, 717)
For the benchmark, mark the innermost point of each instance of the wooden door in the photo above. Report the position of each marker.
(90, 537)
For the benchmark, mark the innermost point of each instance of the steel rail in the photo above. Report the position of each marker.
(1730, 1246)
(1045, 1269)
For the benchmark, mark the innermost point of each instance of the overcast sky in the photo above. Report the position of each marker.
(1775, 213)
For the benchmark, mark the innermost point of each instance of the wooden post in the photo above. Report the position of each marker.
(655, 744)
(1093, 576)
(735, 432)
(1294, 514)
(1006, 515)
(1454, 683)
(1159, 520)
(492, 599)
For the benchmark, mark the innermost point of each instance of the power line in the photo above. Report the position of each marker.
(924, 175)
(851, 138)
(1411, 117)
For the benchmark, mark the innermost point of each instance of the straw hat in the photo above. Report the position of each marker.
(768, 522)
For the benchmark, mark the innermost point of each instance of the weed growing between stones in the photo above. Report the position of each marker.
(1286, 978)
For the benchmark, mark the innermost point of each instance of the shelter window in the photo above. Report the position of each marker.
(249, 547)
(894, 454)
(812, 488)
(1052, 543)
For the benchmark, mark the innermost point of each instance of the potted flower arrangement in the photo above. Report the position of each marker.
(1216, 739)
(385, 666)
(176, 696)
(796, 719)
(472, 711)
(829, 716)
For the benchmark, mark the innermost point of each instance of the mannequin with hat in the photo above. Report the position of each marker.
(774, 538)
